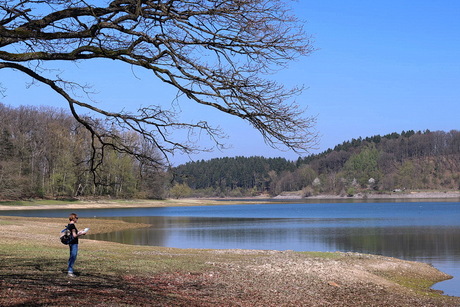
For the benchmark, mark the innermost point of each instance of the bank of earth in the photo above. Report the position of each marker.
(33, 262)
(99, 203)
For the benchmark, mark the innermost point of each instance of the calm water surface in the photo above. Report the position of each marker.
(420, 231)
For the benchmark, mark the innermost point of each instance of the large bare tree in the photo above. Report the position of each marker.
(217, 53)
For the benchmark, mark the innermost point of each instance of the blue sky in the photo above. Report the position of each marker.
(380, 67)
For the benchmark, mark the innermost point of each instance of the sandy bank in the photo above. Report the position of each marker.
(101, 204)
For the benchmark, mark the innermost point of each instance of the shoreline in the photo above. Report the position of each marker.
(185, 202)
(393, 195)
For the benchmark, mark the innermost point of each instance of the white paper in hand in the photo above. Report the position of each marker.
(83, 232)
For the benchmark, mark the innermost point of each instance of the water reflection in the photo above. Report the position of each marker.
(408, 242)
(401, 242)
(406, 239)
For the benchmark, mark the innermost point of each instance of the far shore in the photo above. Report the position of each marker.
(185, 202)
(393, 195)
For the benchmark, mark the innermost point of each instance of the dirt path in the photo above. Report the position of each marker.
(31, 274)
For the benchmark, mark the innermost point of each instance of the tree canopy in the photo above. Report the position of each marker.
(217, 53)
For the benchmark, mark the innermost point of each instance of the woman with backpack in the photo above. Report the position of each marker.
(73, 244)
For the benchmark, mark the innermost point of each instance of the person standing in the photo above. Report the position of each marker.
(73, 245)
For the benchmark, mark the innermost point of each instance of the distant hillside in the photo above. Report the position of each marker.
(44, 152)
(237, 176)
(397, 161)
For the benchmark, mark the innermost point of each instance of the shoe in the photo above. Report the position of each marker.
(70, 274)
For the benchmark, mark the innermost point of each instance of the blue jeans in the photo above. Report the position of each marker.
(73, 256)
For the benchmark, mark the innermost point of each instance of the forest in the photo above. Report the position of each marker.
(408, 160)
(45, 153)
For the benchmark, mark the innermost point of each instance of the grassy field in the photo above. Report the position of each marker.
(33, 264)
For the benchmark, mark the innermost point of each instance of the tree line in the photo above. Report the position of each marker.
(237, 176)
(393, 162)
(45, 152)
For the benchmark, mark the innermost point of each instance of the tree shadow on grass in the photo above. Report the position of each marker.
(42, 282)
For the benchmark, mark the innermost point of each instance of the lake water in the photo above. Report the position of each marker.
(420, 231)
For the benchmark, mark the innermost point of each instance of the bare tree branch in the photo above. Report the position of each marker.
(216, 52)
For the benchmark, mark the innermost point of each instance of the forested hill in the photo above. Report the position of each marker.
(407, 160)
(44, 152)
(226, 174)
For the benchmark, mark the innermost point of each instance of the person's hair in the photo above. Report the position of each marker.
(72, 216)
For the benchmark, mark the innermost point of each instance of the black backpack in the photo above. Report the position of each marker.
(66, 236)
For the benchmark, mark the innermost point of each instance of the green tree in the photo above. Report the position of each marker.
(180, 191)
(306, 175)
(363, 166)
